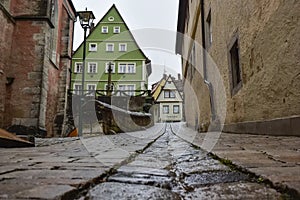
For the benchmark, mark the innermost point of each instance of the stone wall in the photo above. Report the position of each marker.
(5, 46)
(269, 40)
(36, 97)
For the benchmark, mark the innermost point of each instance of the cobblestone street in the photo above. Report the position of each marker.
(150, 164)
(173, 169)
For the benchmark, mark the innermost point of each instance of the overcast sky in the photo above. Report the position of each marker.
(153, 24)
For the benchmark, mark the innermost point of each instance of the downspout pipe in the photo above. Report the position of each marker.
(206, 81)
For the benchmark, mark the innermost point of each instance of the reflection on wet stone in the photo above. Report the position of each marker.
(172, 169)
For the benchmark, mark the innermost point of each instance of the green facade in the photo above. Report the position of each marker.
(135, 64)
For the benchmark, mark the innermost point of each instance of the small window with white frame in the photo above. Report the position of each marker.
(109, 47)
(92, 47)
(126, 89)
(78, 67)
(130, 68)
(165, 109)
(77, 89)
(117, 29)
(122, 47)
(112, 67)
(92, 67)
(91, 89)
(130, 89)
(122, 68)
(121, 88)
(176, 109)
(104, 29)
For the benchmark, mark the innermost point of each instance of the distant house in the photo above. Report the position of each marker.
(111, 43)
(168, 97)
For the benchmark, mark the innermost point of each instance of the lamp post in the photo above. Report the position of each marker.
(109, 87)
(86, 19)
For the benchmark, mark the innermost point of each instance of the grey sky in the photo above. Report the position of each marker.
(153, 24)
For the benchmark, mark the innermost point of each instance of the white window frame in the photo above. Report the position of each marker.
(89, 68)
(126, 87)
(107, 47)
(129, 70)
(126, 68)
(122, 68)
(117, 29)
(75, 67)
(75, 89)
(104, 29)
(119, 88)
(170, 94)
(166, 109)
(95, 88)
(178, 111)
(132, 90)
(120, 47)
(93, 49)
(113, 67)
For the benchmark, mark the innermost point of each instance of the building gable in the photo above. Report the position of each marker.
(169, 85)
(111, 20)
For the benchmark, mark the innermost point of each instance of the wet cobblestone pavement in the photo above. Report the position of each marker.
(171, 168)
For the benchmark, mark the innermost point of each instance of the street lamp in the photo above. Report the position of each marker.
(86, 19)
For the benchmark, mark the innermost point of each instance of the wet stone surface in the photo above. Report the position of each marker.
(173, 169)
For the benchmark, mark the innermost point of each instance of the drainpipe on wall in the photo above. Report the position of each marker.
(210, 86)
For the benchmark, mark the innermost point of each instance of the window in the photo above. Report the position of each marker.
(112, 67)
(78, 67)
(111, 18)
(131, 89)
(122, 68)
(122, 47)
(127, 89)
(127, 68)
(77, 88)
(131, 68)
(209, 29)
(91, 89)
(117, 29)
(92, 47)
(121, 88)
(166, 109)
(236, 79)
(92, 68)
(176, 109)
(169, 94)
(104, 29)
(110, 47)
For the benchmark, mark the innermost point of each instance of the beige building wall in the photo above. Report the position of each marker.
(269, 40)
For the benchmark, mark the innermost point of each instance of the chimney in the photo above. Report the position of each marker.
(179, 76)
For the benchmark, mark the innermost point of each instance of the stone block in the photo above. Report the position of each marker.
(47, 192)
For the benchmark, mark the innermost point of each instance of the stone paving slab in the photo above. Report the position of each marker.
(124, 191)
(59, 168)
(275, 158)
(232, 191)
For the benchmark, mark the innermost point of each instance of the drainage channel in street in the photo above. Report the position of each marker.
(171, 168)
